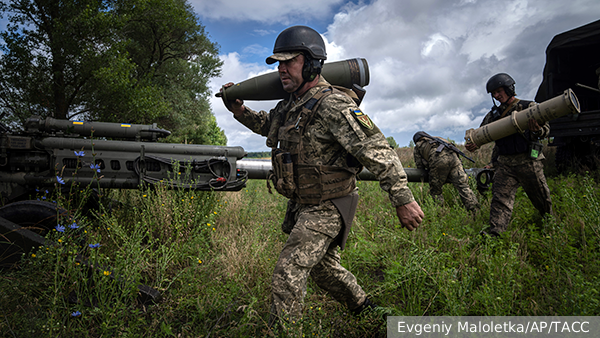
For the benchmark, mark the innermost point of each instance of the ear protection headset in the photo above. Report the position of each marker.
(312, 68)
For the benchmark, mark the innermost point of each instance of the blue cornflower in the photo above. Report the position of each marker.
(43, 197)
(74, 226)
(46, 191)
(60, 228)
(60, 180)
(94, 246)
(76, 314)
(95, 167)
(79, 153)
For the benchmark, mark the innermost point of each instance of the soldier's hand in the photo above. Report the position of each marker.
(471, 146)
(534, 126)
(410, 215)
(237, 106)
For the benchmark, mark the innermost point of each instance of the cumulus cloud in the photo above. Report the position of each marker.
(237, 71)
(429, 60)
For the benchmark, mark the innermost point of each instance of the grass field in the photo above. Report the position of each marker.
(211, 256)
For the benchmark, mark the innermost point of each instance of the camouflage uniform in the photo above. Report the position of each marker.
(338, 131)
(443, 167)
(514, 168)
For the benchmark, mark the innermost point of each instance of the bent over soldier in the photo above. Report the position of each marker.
(443, 165)
(517, 158)
(320, 140)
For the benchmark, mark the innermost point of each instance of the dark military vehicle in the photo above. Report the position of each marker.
(573, 61)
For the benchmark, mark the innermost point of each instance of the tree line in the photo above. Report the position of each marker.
(129, 61)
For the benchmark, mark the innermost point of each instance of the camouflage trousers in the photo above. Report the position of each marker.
(507, 179)
(445, 167)
(312, 250)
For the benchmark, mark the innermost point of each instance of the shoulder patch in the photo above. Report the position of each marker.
(363, 119)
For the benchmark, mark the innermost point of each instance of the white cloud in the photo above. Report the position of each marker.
(429, 60)
(236, 71)
(265, 10)
(256, 49)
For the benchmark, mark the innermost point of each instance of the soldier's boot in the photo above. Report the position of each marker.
(474, 211)
(488, 233)
(366, 306)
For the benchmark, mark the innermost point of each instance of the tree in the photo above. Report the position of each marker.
(134, 61)
(392, 142)
(50, 52)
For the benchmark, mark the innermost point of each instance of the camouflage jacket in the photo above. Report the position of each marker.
(425, 149)
(506, 111)
(338, 129)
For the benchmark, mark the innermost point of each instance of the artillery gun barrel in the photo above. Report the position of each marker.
(96, 129)
(41, 157)
(551, 109)
(98, 146)
(259, 170)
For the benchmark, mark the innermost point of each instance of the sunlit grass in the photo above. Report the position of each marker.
(211, 256)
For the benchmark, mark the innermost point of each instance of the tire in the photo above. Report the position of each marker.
(33, 220)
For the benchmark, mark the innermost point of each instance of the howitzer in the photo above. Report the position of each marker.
(75, 151)
(551, 109)
(49, 153)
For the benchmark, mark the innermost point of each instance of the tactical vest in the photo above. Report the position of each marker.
(291, 175)
(516, 143)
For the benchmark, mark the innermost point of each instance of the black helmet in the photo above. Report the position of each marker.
(418, 135)
(298, 39)
(501, 80)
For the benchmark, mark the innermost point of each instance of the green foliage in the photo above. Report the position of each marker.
(141, 61)
(211, 255)
(392, 142)
(259, 154)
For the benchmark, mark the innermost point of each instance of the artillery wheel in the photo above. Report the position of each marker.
(38, 216)
(484, 179)
(35, 219)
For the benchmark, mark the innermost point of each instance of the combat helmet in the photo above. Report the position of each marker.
(501, 80)
(300, 39)
(418, 135)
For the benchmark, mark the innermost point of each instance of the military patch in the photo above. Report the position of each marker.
(363, 119)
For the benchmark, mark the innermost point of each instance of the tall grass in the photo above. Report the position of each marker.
(211, 256)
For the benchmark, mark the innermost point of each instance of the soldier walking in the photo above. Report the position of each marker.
(517, 158)
(320, 135)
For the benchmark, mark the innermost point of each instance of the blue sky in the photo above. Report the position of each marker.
(429, 60)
